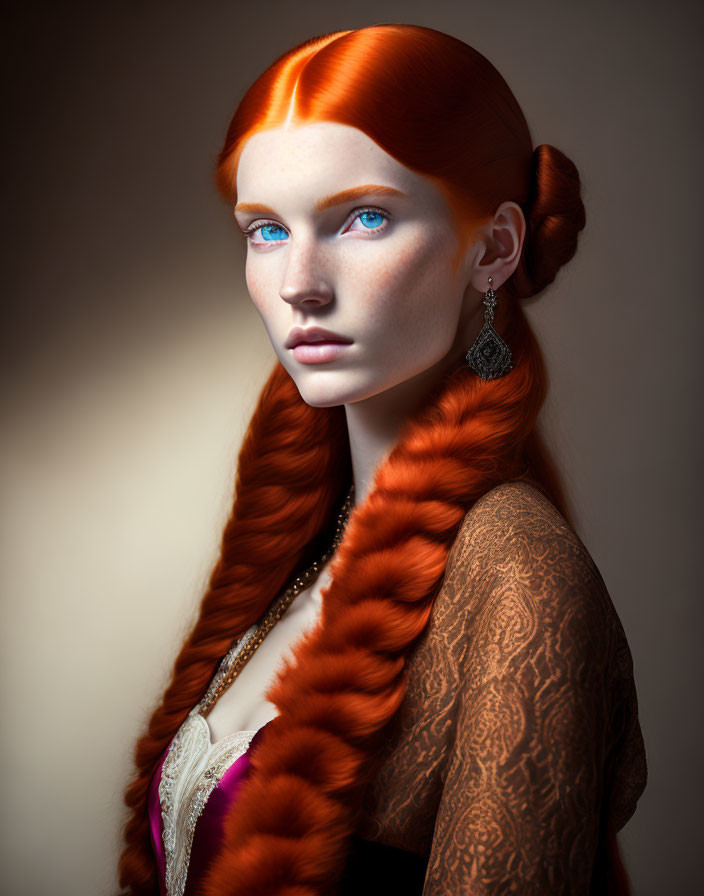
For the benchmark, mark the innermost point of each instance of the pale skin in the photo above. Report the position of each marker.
(393, 293)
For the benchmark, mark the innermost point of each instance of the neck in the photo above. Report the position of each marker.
(374, 423)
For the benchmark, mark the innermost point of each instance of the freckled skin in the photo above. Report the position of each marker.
(393, 292)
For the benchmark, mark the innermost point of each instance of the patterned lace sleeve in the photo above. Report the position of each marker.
(540, 711)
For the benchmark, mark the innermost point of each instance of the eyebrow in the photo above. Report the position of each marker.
(327, 201)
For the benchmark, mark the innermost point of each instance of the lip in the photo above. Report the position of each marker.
(314, 335)
(319, 352)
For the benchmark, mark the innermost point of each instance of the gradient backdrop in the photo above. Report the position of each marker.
(133, 359)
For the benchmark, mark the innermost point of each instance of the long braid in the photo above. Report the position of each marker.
(261, 544)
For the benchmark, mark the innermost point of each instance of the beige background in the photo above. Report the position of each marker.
(133, 359)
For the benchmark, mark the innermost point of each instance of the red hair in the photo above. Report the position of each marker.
(441, 108)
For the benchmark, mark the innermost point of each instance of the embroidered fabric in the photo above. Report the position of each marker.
(192, 768)
(191, 771)
(518, 742)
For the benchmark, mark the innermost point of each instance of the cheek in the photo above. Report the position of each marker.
(407, 283)
(255, 283)
(259, 286)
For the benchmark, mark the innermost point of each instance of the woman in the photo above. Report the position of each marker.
(407, 674)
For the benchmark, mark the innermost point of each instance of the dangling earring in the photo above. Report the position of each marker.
(489, 355)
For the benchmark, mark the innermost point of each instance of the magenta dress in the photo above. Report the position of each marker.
(202, 843)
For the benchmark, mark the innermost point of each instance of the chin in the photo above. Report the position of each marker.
(328, 391)
(322, 397)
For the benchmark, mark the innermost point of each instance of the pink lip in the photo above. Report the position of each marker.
(309, 353)
(297, 336)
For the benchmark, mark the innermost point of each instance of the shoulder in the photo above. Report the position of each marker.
(540, 634)
(514, 522)
(524, 567)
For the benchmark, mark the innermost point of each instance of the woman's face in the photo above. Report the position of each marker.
(343, 237)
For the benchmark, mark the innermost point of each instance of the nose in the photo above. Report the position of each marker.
(304, 278)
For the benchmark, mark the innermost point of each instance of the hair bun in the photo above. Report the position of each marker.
(554, 216)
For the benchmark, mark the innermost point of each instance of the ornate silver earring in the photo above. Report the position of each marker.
(489, 355)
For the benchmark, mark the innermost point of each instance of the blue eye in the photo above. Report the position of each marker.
(269, 229)
(366, 216)
(372, 219)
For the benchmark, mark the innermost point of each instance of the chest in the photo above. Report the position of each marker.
(402, 798)
(243, 706)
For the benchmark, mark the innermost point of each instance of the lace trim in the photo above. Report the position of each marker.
(226, 665)
(192, 769)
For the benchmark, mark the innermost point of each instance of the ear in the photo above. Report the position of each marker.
(498, 247)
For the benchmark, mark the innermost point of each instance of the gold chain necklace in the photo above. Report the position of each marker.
(280, 606)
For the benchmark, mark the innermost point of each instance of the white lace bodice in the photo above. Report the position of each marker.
(194, 764)
(190, 773)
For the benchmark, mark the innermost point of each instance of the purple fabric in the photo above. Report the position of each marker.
(156, 823)
(209, 832)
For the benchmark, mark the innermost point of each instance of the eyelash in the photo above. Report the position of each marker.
(256, 225)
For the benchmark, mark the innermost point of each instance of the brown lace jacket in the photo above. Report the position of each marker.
(518, 739)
